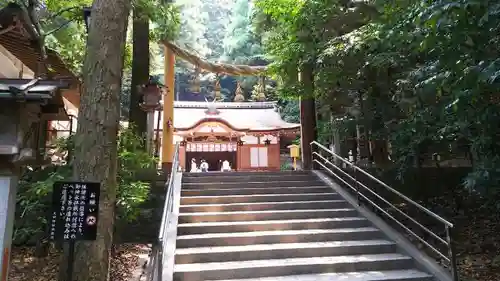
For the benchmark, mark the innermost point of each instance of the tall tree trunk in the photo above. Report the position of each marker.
(97, 133)
(308, 130)
(140, 69)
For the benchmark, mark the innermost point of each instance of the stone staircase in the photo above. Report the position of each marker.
(279, 226)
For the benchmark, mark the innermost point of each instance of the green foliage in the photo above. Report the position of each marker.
(164, 16)
(426, 73)
(241, 44)
(132, 158)
(34, 196)
(287, 166)
(64, 31)
(218, 30)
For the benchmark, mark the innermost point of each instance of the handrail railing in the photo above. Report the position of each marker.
(362, 192)
(158, 252)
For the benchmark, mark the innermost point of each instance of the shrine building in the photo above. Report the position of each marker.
(247, 134)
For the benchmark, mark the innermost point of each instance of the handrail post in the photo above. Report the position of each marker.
(159, 267)
(356, 184)
(314, 166)
(451, 253)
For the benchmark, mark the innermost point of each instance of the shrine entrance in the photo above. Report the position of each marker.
(214, 159)
(212, 153)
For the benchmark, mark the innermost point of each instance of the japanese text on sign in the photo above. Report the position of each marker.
(73, 204)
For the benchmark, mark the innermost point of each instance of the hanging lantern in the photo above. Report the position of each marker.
(217, 93)
(151, 93)
(195, 82)
(238, 94)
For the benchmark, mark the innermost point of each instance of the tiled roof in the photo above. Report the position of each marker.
(243, 116)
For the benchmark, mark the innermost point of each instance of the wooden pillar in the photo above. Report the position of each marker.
(307, 116)
(168, 112)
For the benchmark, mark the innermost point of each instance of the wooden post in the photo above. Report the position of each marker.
(150, 131)
(167, 153)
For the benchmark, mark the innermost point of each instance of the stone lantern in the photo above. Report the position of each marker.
(152, 94)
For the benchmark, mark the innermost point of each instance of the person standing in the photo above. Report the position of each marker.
(204, 166)
(194, 166)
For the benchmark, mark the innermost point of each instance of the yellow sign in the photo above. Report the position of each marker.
(294, 150)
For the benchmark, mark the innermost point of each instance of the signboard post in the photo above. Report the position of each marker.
(294, 153)
(75, 214)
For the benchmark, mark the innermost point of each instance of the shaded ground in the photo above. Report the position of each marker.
(478, 245)
(476, 234)
(25, 267)
(476, 220)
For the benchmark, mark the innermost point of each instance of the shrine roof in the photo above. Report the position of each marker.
(240, 116)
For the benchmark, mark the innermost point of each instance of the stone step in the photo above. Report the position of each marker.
(258, 206)
(271, 225)
(273, 237)
(282, 251)
(235, 173)
(259, 198)
(228, 177)
(265, 215)
(244, 190)
(265, 184)
(290, 266)
(390, 275)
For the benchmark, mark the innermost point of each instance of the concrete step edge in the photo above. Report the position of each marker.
(236, 265)
(236, 173)
(231, 223)
(256, 188)
(249, 182)
(238, 176)
(389, 275)
(275, 233)
(262, 195)
(281, 246)
(263, 203)
(266, 212)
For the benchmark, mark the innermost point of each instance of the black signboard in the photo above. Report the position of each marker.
(75, 209)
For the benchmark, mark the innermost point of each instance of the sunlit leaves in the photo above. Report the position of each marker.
(433, 63)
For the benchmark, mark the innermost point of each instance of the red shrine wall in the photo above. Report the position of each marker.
(244, 158)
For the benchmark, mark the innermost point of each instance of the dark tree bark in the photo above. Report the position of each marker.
(308, 131)
(97, 133)
(140, 70)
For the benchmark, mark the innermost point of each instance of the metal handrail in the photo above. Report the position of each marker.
(157, 255)
(448, 226)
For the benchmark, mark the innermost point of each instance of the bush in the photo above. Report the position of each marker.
(34, 196)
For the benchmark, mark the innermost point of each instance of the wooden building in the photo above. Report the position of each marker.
(21, 61)
(247, 134)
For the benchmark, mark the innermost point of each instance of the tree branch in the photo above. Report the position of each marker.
(32, 4)
(58, 28)
(52, 16)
